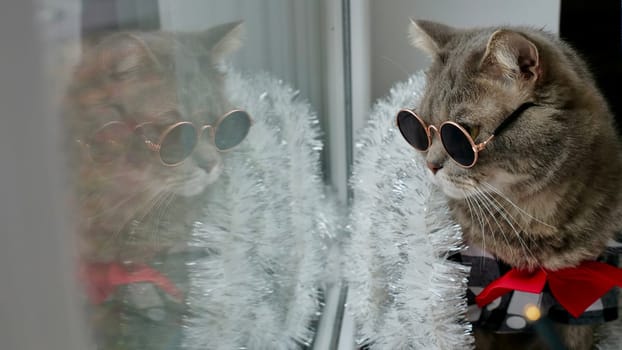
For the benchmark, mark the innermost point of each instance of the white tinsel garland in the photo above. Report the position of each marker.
(267, 227)
(403, 292)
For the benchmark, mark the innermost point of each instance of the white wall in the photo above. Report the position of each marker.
(394, 59)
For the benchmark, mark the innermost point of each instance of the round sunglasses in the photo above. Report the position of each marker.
(175, 143)
(456, 139)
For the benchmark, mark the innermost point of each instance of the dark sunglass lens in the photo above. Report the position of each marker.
(413, 130)
(178, 143)
(232, 130)
(110, 142)
(457, 145)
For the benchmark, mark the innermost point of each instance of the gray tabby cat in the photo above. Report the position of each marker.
(545, 192)
(133, 205)
(138, 180)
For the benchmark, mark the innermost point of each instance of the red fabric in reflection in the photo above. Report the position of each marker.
(102, 279)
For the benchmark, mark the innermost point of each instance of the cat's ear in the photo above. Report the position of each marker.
(430, 36)
(512, 55)
(224, 39)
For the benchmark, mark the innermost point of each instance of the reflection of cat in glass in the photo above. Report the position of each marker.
(140, 100)
(152, 122)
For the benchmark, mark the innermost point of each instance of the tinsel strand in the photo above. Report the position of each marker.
(268, 224)
(404, 293)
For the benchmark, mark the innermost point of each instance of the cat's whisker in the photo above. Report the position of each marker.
(508, 219)
(156, 208)
(112, 178)
(506, 214)
(485, 204)
(160, 209)
(468, 203)
(471, 211)
(118, 204)
(396, 65)
(521, 210)
(494, 205)
(151, 204)
(482, 215)
(141, 212)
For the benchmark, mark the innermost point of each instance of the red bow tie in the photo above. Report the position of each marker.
(575, 288)
(103, 278)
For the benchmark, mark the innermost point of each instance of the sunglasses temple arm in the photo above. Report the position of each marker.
(480, 146)
(512, 117)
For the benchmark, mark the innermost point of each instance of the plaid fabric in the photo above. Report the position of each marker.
(505, 314)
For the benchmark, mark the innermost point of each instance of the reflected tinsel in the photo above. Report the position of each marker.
(403, 292)
(266, 230)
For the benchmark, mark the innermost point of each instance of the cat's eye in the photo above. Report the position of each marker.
(109, 142)
(473, 130)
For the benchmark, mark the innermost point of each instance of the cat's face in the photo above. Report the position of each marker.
(477, 79)
(128, 89)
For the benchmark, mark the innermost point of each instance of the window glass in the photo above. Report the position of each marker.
(195, 138)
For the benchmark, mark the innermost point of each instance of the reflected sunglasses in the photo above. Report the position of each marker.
(175, 143)
(456, 139)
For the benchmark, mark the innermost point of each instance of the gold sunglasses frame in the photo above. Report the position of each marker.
(475, 147)
(156, 146)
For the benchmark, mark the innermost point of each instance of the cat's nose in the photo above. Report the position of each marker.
(204, 163)
(205, 159)
(434, 167)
